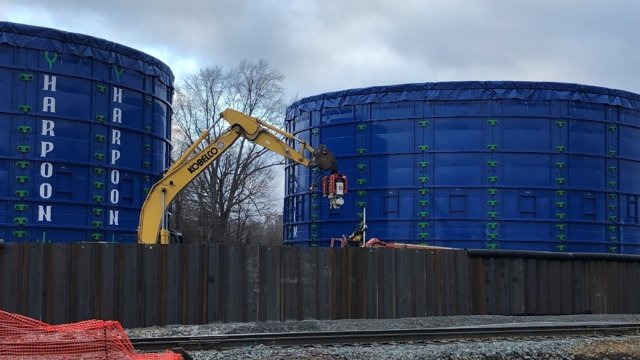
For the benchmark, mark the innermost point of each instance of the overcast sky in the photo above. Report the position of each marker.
(328, 45)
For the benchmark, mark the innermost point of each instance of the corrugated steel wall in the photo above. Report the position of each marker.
(192, 284)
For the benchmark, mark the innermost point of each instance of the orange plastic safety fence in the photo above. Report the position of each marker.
(25, 338)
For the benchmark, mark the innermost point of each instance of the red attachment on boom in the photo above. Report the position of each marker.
(334, 184)
(334, 187)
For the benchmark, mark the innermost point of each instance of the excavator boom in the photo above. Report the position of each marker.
(152, 215)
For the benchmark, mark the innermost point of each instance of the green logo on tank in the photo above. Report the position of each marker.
(51, 58)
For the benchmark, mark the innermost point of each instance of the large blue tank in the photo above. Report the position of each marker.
(498, 165)
(85, 125)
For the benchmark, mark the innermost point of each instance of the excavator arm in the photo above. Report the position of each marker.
(193, 162)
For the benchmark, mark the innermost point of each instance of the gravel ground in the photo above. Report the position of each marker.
(578, 348)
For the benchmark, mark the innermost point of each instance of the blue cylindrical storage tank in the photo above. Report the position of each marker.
(85, 125)
(499, 165)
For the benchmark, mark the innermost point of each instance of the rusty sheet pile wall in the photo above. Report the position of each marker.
(192, 284)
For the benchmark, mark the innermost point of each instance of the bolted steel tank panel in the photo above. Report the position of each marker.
(494, 164)
(86, 124)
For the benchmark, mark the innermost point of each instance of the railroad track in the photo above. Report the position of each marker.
(444, 334)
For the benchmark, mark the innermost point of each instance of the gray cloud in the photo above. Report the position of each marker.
(331, 44)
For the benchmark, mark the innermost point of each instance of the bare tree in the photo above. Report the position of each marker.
(236, 189)
(265, 231)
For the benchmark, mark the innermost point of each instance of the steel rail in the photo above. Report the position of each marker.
(483, 332)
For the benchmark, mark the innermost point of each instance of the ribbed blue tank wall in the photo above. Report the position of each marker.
(498, 165)
(85, 125)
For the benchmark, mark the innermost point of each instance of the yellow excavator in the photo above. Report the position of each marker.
(153, 220)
